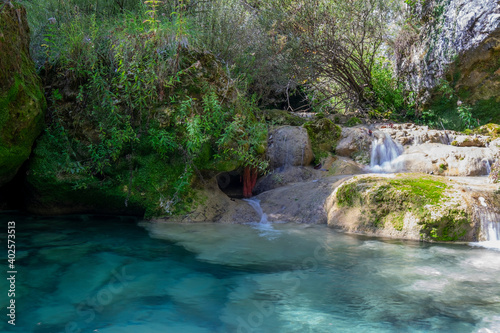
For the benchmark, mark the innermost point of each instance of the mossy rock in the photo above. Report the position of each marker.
(324, 135)
(281, 117)
(22, 103)
(353, 122)
(387, 202)
(490, 129)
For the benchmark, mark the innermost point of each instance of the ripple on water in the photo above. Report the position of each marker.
(231, 278)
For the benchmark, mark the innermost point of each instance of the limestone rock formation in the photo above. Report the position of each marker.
(355, 142)
(289, 146)
(494, 176)
(459, 40)
(215, 206)
(22, 103)
(445, 153)
(412, 206)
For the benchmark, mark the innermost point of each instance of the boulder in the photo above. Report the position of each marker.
(302, 202)
(413, 206)
(355, 142)
(212, 205)
(22, 103)
(289, 146)
(280, 178)
(492, 130)
(324, 135)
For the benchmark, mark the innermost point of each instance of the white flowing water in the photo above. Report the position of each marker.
(487, 164)
(490, 227)
(264, 226)
(255, 203)
(385, 153)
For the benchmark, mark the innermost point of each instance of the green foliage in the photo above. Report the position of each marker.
(144, 102)
(353, 122)
(389, 93)
(465, 113)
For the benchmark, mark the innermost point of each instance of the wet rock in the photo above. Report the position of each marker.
(411, 134)
(282, 177)
(300, 202)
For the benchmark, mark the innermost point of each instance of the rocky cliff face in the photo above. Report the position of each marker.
(22, 102)
(456, 40)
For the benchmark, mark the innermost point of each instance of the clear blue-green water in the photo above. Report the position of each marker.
(111, 275)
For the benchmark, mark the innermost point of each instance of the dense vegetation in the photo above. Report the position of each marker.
(147, 97)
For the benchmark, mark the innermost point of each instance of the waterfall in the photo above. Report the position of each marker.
(255, 203)
(493, 232)
(488, 165)
(385, 153)
(264, 226)
(490, 227)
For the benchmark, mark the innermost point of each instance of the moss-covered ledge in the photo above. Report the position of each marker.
(411, 206)
(22, 103)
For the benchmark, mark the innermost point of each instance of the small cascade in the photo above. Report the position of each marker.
(490, 227)
(264, 226)
(255, 203)
(493, 232)
(385, 153)
(488, 165)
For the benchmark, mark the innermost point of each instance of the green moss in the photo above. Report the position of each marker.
(144, 185)
(348, 195)
(387, 200)
(397, 220)
(281, 117)
(490, 129)
(324, 135)
(353, 122)
(22, 103)
(452, 226)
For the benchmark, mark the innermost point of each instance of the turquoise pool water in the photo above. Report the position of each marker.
(111, 275)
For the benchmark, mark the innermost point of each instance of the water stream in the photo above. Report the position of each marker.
(385, 153)
(490, 226)
(263, 225)
(108, 275)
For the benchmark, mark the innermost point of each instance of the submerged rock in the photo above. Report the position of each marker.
(22, 103)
